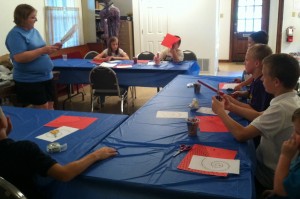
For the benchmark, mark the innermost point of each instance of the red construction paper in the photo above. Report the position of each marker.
(169, 40)
(142, 61)
(211, 124)
(96, 61)
(207, 151)
(71, 121)
(221, 85)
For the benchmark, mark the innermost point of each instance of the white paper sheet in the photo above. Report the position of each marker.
(69, 34)
(215, 164)
(207, 110)
(62, 132)
(124, 66)
(171, 114)
(229, 85)
(108, 65)
(115, 61)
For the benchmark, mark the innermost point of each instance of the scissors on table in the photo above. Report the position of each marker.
(182, 148)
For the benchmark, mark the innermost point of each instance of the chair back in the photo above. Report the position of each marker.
(104, 81)
(90, 55)
(189, 55)
(146, 56)
(9, 191)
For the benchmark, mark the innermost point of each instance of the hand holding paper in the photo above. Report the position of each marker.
(69, 34)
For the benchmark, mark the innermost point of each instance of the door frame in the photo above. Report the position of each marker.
(265, 10)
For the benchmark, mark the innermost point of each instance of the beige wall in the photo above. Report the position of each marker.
(6, 20)
(291, 18)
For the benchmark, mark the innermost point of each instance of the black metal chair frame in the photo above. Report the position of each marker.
(9, 191)
(146, 55)
(104, 82)
(90, 55)
(189, 55)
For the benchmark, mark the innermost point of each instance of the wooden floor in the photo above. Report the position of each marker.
(112, 104)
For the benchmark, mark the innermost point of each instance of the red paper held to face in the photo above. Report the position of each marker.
(169, 40)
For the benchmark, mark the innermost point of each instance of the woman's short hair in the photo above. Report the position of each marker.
(22, 13)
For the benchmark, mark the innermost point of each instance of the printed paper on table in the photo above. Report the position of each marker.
(206, 151)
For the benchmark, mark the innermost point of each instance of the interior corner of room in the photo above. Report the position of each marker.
(204, 26)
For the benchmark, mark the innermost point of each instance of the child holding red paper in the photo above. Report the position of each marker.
(172, 53)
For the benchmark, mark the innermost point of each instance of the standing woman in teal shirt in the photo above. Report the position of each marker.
(29, 53)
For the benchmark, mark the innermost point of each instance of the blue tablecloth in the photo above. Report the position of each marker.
(29, 123)
(74, 71)
(145, 167)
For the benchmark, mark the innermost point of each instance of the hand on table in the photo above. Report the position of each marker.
(104, 153)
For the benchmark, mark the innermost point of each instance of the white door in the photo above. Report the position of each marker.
(154, 24)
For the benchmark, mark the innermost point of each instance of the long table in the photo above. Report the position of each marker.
(76, 71)
(145, 166)
(28, 123)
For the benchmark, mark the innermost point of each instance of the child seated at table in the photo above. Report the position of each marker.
(287, 174)
(258, 98)
(113, 52)
(171, 54)
(21, 161)
(259, 37)
(280, 75)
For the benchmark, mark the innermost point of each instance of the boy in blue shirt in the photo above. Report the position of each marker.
(287, 174)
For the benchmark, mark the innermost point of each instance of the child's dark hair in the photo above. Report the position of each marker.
(284, 67)
(109, 50)
(260, 37)
(296, 114)
(179, 41)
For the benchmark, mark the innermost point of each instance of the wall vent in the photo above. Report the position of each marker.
(204, 64)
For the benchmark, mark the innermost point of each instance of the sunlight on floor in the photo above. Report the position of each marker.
(231, 69)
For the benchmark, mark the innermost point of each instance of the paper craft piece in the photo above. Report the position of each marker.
(207, 151)
(169, 40)
(115, 61)
(96, 62)
(211, 124)
(71, 121)
(69, 34)
(124, 66)
(227, 85)
(207, 110)
(211, 87)
(57, 134)
(171, 114)
(142, 61)
(108, 65)
(220, 165)
(151, 63)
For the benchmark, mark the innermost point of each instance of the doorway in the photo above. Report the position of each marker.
(247, 16)
(154, 24)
